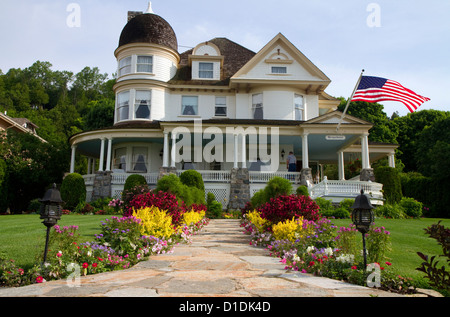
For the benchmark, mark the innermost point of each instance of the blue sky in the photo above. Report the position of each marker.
(404, 40)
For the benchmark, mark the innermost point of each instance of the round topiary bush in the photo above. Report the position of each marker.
(133, 181)
(411, 207)
(73, 190)
(192, 178)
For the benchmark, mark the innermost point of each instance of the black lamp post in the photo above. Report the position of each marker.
(51, 210)
(362, 218)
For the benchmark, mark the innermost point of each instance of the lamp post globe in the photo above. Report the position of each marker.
(362, 218)
(50, 211)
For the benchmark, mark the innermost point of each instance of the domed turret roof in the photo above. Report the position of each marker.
(149, 28)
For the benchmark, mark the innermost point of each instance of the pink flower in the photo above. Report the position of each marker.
(39, 279)
(354, 267)
(388, 263)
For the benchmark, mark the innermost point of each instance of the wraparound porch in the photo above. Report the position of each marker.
(220, 184)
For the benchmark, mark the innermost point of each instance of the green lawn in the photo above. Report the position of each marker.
(407, 237)
(22, 238)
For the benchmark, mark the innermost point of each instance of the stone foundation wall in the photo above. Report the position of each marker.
(102, 185)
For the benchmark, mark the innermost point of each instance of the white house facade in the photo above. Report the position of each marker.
(230, 113)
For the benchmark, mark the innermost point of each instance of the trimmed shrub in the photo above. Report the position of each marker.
(185, 194)
(302, 191)
(394, 211)
(213, 207)
(277, 186)
(134, 180)
(73, 190)
(284, 208)
(411, 207)
(162, 200)
(192, 178)
(392, 187)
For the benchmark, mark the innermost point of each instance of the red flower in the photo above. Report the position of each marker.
(388, 263)
(354, 267)
(94, 264)
(85, 265)
(311, 263)
(39, 279)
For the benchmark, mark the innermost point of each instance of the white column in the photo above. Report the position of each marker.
(72, 160)
(94, 164)
(305, 153)
(365, 151)
(166, 150)
(236, 151)
(244, 152)
(109, 155)
(102, 155)
(391, 159)
(173, 151)
(341, 170)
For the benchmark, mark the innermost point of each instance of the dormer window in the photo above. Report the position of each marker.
(206, 70)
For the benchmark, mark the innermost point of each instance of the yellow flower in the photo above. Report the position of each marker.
(155, 222)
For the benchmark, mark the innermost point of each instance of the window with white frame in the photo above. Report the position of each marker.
(189, 105)
(125, 66)
(257, 106)
(279, 70)
(221, 107)
(139, 160)
(144, 64)
(206, 70)
(123, 100)
(142, 104)
(299, 107)
(120, 159)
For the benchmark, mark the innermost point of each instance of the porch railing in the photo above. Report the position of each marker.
(346, 188)
(213, 176)
(264, 177)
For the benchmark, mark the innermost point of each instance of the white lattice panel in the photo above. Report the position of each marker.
(220, 191)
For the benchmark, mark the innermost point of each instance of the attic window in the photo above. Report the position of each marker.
(279, 70)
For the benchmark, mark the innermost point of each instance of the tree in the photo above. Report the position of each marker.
(384, 130)
(410, 127)
(100, 114)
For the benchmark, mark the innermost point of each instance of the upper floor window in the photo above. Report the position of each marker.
(123, 100)
(257, 106)
(142, 104)
(279, 70)
(144, 64)
(221, 107)
(189, 105)
(206, 70)
(299, 107)
(139, 158)
(125, 66)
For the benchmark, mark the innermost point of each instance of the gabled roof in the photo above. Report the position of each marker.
(235, 56)
(334, 117)
(315, 79)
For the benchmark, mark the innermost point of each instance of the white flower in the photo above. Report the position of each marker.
(346, 258)
(310, 249)
(328, 251)
(296, 258)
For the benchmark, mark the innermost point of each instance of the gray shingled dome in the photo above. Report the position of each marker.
(149, 28)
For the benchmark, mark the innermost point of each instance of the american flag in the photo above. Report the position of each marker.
(375, 89)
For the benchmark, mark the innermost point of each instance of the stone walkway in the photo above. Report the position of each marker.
(219, 263)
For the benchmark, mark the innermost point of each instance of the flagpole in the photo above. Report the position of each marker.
(349, 99)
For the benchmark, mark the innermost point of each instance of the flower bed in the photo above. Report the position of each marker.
(121, 243)
(317, 247)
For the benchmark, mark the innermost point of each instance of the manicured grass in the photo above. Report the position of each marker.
(22, 237)
(408, 238)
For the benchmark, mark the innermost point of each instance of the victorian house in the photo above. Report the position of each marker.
(232, 114)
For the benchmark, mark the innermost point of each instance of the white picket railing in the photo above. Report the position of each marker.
(264, 177)
(213, 176)
(346, 188)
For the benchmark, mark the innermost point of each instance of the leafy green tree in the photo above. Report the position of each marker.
(410, 128)
(384, 130)
(100, 114)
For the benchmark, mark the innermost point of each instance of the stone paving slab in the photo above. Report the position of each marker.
(220, 262)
